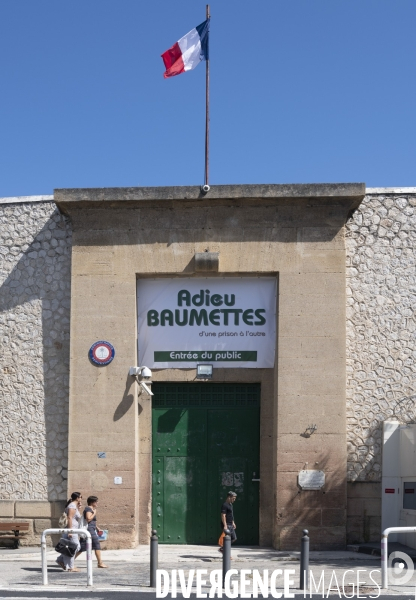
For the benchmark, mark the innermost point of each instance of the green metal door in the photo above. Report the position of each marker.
(206, 439)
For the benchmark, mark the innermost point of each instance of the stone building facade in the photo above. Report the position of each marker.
(35, 309)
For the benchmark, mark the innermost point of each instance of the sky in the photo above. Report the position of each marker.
(302, 91)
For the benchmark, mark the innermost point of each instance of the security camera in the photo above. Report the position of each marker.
(146, 373)
(205, 189)
(140, 373)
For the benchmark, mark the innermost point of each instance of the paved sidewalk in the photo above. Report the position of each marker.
(129, 569)
(184, 553)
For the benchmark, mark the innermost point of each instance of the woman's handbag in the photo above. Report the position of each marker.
(63, 520)
(66, 547)
(102, 535)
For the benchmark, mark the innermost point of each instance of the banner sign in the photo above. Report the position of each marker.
(226, 321)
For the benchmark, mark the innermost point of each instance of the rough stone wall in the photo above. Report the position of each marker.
(35, 256)
(381, 325)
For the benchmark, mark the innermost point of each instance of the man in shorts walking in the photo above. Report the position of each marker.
(227, 517)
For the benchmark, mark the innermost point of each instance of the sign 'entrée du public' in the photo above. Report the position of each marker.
(230, 322)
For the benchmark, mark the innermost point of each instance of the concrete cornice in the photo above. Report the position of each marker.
(108, 197)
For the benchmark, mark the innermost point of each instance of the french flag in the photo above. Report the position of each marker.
(186, 54)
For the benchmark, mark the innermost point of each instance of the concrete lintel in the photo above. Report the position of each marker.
(89, 197)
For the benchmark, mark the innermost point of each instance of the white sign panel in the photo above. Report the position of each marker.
(311, 480)
(228, 322)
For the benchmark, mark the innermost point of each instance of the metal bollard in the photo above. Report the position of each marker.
(153, 558)
(304, 561)
(82, 532)
(226, 555)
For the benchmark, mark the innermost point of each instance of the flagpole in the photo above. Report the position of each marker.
(206, 179)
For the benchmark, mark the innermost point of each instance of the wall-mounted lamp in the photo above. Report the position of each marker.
(204, 371)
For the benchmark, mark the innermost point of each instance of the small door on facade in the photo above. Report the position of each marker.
(206, 441)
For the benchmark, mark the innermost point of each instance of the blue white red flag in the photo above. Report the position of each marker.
(188, 52)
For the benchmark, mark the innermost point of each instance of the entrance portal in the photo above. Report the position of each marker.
(206, 439)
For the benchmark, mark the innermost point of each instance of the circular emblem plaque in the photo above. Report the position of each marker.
(102, 353)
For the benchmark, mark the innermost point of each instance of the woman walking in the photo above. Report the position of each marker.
(73, 515)
(90, 515)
